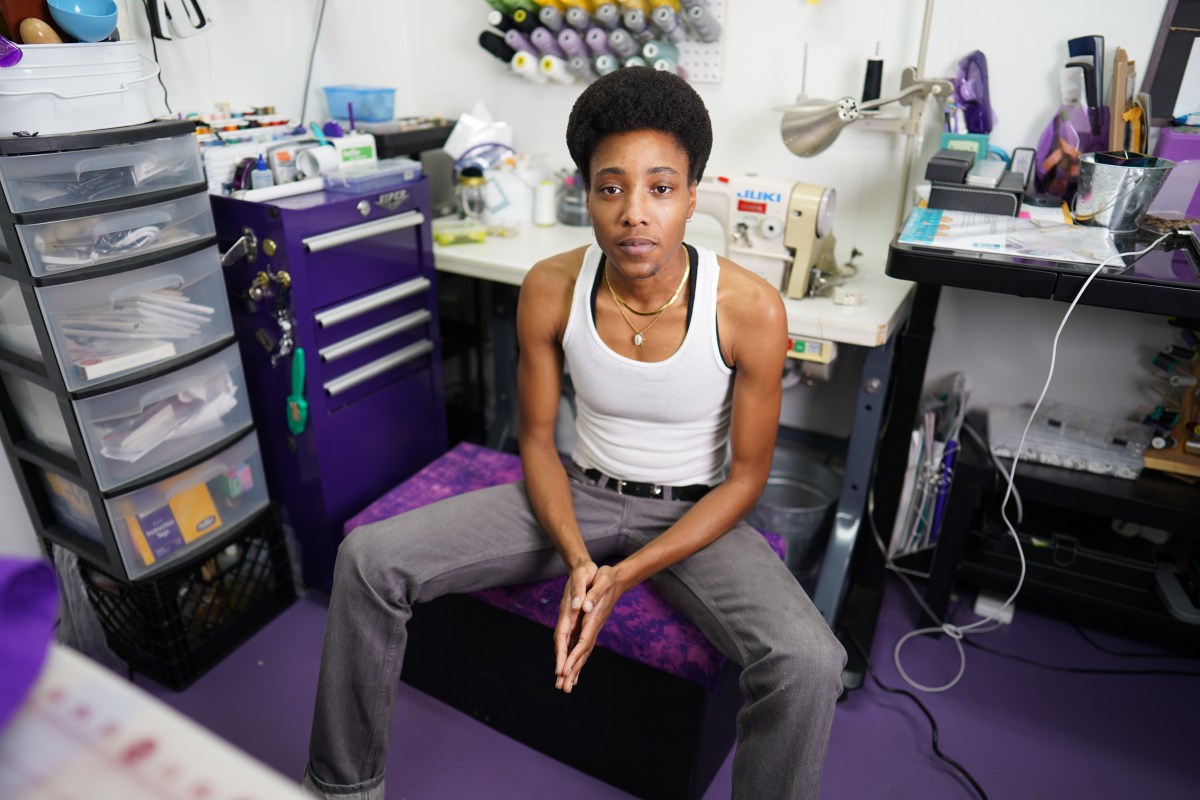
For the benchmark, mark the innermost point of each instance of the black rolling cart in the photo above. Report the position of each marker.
(1085, 570)
(122, 397)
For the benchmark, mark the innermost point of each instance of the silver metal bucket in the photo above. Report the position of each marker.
(798, 504)
(1116, 189)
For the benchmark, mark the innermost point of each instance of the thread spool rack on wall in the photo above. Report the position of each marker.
(698, 61)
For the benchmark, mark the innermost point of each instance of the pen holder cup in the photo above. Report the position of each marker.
(1116, 189)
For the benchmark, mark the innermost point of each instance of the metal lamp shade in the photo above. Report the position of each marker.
(811, 125)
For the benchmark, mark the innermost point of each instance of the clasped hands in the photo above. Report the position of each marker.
(588, 599)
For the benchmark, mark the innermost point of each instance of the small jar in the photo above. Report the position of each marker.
(471, 201)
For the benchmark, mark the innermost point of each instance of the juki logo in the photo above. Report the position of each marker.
(755, 194)
(392, 200)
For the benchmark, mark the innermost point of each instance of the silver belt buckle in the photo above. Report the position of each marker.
(620, 486)
(657, 491)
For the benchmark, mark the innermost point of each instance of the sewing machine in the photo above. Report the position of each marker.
(779, 229)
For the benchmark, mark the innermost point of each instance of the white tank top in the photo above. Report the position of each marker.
(665, 422)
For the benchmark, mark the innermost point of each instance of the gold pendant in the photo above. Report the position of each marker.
(637, 339)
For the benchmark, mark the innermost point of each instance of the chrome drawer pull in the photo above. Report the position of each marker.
(356, 308)
(367, 338)
(364, 373)
(355, 233)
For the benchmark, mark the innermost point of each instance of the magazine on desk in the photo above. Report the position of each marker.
(1008, 236)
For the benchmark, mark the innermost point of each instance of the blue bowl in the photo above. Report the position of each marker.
(85, 20)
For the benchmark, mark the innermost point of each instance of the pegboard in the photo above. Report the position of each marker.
(701, 60)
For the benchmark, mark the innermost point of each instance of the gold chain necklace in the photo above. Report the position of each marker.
(640, 336)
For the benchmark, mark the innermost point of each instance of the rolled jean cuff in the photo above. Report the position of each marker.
(367, 790)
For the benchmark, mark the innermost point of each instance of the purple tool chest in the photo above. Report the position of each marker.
(350, 279)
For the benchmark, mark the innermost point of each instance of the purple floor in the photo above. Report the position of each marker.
(1022, 731)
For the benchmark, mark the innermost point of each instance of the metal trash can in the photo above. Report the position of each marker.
(1116, 189)
(798, 504)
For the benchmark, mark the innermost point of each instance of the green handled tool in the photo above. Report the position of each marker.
(296, 404)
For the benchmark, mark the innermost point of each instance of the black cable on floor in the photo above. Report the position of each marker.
(1081, 670)
(311, 57)
(1122, 653)
(932, 723)
(154, 49)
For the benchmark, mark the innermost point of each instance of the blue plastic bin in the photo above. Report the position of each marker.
(371, 103)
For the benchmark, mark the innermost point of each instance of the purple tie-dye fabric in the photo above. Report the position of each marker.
(642, 626)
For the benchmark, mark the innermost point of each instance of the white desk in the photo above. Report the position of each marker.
(84, 732)
(872, 325)
(507, 260)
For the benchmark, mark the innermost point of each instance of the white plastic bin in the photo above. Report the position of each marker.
(112, 325)
(165, 521)
(53, 248)
(134, 431)
(16, 328)
(65, 88)
(40, 415)
(62, 179)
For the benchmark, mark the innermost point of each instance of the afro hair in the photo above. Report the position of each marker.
(637, 99)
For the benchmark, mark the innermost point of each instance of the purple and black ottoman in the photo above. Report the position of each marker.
(655, 716)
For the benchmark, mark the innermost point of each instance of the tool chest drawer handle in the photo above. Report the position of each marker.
(356, 308)
(356, 233)
(377, 334)
(364, 373)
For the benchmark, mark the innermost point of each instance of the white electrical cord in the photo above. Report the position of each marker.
(957, 632)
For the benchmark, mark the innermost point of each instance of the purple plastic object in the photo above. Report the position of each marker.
(642, 626)
(10, 54)
(28, 608)
(971, 92)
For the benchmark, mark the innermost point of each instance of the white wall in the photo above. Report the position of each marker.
(259, 51)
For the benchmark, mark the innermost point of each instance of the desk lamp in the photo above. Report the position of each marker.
(810, 125)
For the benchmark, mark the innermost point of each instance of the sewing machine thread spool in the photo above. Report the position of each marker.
(572, 45)
(666, 65)
(657, 48)
(690, 4)
(667, 21)
(551, 18)
(518, 41)
(500, 21)
(546, 44)
(525, 64)
(704, 24)
(1178, 351)
(622, 43)
(597, 42)
(635, 21)
(635, 61)
(555, 69)
(607, 15)
(873, 79)
(524, 21)
(494, 43)
(582, 67)
(579, 19)
(639, 5)
(605, 64)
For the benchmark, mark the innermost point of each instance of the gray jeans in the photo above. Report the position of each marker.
(736, 591)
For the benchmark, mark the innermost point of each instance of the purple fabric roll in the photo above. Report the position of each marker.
(28, 608)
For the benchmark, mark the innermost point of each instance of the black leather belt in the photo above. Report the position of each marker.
(687, 494)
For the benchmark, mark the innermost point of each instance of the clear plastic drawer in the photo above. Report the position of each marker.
(71, 505)
(52, 248)
(134, 431)
(109, 326)
(16, 328)
(166, 521)
(58, 180)
(40, 414)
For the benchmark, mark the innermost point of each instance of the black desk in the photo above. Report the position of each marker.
(1165, 281)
